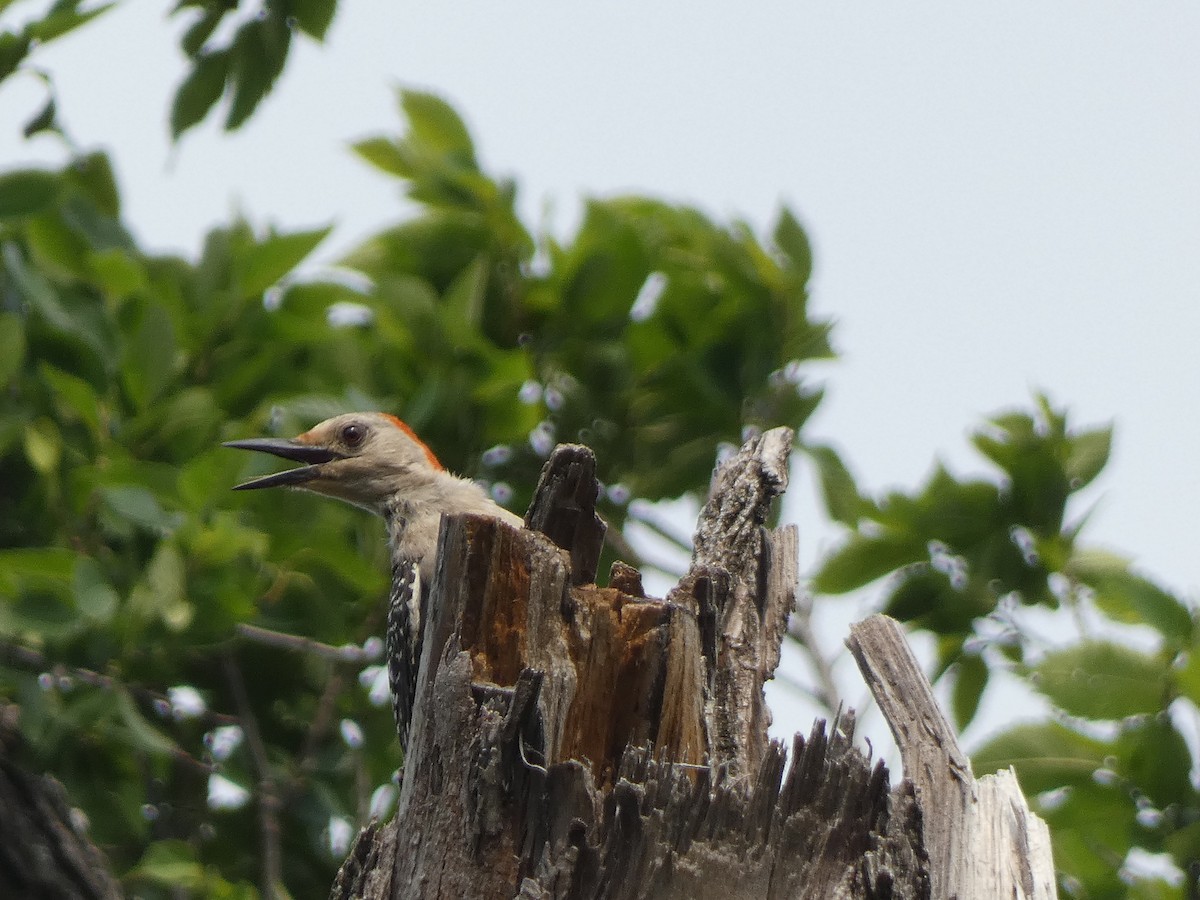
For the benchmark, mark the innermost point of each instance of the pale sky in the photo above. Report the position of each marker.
(1000, 200)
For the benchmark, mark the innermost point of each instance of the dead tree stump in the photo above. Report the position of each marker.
(573, 741)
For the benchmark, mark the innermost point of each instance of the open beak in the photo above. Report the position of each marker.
(287, 449)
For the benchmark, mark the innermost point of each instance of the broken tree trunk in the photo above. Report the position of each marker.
(573, 741)
(981, 838)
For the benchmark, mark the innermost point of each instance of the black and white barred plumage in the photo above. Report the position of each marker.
(403, 642)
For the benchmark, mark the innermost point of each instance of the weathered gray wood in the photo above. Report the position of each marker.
(754, 577)
(564, 508)
(571, 741)
(981, 838)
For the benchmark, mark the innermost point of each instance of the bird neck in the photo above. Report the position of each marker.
(422, 504)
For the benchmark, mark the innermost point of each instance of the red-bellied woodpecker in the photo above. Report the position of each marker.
(375, 461)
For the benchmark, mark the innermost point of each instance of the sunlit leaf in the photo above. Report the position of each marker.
(1088, 456)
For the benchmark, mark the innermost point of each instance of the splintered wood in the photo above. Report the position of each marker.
(576, 741)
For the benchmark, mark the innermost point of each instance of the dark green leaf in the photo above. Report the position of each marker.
(257, 57)
(1154, 756)
(201, 30)
(149, 360)
(313, 16)
(970, 681)
(48, 567)
(200, 91)
(43, 121)
(93, 174)
(13, 49)
(76, 396)
(12, 346)
(25, 192)
(62, 19)
(843, 502)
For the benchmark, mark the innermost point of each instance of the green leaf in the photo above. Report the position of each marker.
(1102, 680)
(25, 192)
(43, 445)
(435, 128)
(313, 16)
(1154, 756)
(200, 91)
(843, 502)
(12, 347)
(790, 238)
(117, 271)
(171, 864)
(42, 567)
(201, 30)
(148, 361)
(94, 596)
(141, 734)
(13, 50)
(93, 174)
(74, 394)
(1046, 756)
(136, 505)
(160, 594)
(861, 560)
(1087, 456)
(63, 18)
(970, 681)
(265, 263)
(44, 120)
(258, 55)
(384, 155)
(1130, 598)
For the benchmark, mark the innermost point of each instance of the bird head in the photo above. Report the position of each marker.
(361, 458)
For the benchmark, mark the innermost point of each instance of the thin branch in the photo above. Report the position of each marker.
(28, 658)
(345, 654)
(268, 798)
(326, 706)
(800, 630)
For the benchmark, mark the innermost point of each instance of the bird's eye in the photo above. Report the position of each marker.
(353, 434)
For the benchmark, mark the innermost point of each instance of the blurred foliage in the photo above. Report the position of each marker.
(653, 334)
(965, 559)
(235, 50)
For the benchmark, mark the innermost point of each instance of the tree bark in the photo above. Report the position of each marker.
(45, 853)
(573, 741)
(980, 835)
